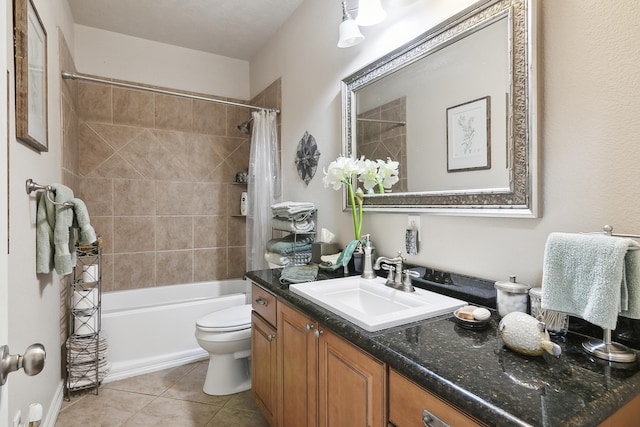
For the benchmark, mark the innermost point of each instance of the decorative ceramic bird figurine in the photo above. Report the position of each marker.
(527, 335)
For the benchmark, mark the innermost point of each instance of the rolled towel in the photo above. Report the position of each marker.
(276, 259)
(583, 275)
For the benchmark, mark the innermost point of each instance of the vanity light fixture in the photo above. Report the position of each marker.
(350, 34)
(370, 12)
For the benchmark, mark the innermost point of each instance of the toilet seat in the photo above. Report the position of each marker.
(226, 320)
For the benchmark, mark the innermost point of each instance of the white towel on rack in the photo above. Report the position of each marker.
(583, 276)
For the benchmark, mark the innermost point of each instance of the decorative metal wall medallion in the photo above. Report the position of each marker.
(307, 157)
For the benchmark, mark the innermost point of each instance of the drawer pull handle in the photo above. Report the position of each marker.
(262, 301)
(308, 327)
(318, 332)
(271, 337)
(430, 420)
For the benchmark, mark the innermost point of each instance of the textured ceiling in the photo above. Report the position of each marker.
(232, 28)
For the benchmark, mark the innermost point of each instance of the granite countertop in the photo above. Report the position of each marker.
(472, 370)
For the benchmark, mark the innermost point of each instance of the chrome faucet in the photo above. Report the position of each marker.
(397, 278)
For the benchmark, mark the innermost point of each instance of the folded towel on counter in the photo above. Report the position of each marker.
(299, 273)
(583, 276)
(290, 244)
(291, 209)
(293, 226)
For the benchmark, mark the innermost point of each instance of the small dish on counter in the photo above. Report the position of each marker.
(473, 324)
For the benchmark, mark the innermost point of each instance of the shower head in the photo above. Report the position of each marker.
(245, 127)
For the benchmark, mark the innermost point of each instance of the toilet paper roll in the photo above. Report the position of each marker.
(90, 273)
(85, 299)
(85, 325)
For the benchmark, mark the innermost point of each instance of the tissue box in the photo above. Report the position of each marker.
(321, 248)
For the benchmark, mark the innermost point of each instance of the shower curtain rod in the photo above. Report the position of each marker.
(78, 76)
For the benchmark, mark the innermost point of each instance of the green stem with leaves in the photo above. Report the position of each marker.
(356, 211)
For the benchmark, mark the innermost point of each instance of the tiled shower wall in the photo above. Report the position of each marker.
(381, 140)
(157, 173)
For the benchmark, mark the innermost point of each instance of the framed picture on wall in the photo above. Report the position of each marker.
(31, 76)
(469, 136)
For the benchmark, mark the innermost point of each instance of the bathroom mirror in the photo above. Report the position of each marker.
(457, 108)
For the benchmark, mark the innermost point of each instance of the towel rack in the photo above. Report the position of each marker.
(605, 348)
(32, 186)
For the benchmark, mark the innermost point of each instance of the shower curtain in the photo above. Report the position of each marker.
(263, 187)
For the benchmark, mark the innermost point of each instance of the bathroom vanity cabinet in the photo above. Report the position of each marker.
(263, 367)
(303, 375)
(411, 405)
(324, 380)
(312, 367)
(263, 353)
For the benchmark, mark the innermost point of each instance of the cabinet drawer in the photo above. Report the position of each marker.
(263, 303)
(407, 401)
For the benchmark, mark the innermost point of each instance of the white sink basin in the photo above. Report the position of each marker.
(372, 305)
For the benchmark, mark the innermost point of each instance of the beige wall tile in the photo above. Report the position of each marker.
(103, 225)
(159, 183)
(174, 198)
(133, 107)
(107, 284)
(237, 264)
(93, 150)
(173, 113)
(210, 231)
(174, 232)
(133, 234)
(97, 194)
(134, 271)
(209, 264)
(132, 197)
(94, 102)
(209, 199)
(209, 118)
(174, 267)
(114, 135)
(237, 231)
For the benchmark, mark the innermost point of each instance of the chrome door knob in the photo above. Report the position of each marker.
(32, 361)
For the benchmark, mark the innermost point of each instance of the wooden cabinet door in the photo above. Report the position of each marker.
(297, 368)
(264, 367)
(408, 402)
(351, 386)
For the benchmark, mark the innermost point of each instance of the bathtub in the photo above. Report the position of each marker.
(153, 328)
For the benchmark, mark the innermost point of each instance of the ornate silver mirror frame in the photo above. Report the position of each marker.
(520, 197)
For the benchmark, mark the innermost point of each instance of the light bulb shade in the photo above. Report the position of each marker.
(370, 12)
(350, 34)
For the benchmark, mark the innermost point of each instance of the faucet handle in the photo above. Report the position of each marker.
(411, 273)
(406, 283)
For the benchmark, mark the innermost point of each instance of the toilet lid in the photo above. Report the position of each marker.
(228, 319)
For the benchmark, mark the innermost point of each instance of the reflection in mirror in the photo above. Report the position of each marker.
(456, 108)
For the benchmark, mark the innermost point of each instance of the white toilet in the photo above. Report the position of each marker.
(226, 335)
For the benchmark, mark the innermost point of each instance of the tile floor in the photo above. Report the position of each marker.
(171, 398)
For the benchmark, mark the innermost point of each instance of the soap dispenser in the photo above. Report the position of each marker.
(367, 269)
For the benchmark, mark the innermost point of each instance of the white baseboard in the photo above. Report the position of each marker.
(132, 368)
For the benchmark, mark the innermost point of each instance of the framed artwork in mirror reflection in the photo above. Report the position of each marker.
(30, 76)
(469, 135)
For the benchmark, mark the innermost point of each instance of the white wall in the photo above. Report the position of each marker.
(589, 125)
(107, 54)
(34, 308)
